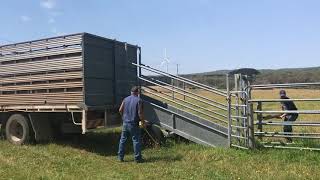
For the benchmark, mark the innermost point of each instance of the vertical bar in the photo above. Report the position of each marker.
(177, 83)
(251, 120)
(172, 84)
(237, 88)
(105, 118)
(259, 117)
(184, 92)
(229, 111)
(139, 62)
(139, 69)
(244, 109)
(174, 125)
(84, 121)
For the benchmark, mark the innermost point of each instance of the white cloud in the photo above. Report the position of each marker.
(24, 18)
(51, 20)
(48, 4)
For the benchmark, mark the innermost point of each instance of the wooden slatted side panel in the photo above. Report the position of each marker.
(42, 72)
(42, 77)
(39, 45)
(41, 66)
(41, 98)
(42, 86)
(42, 53)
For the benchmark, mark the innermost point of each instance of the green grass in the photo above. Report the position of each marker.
(94, 157)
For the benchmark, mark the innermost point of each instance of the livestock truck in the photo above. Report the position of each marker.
(65, 84)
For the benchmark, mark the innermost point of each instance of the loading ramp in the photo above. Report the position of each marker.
(192, 110)
(184, 124)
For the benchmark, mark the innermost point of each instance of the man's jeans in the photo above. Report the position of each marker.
(287, 129)
(133, 130)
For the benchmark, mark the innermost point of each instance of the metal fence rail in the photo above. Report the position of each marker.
(209, 108)
(305, 130)
(237, 111)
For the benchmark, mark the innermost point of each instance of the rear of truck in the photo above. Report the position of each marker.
(69, 83)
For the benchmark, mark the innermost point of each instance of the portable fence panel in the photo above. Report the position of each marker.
(273, 132)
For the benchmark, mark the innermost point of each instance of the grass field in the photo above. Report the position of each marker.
(93, 156)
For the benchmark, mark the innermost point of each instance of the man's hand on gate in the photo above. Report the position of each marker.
(283, 116)
(142, 124)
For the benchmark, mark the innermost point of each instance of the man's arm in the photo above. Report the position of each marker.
(121, 108)
(271, 116)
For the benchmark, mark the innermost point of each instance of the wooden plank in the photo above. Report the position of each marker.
(42, 86)
(41, 44)
(41, 98)
(42, 77)
(35, 54)
(45, 65)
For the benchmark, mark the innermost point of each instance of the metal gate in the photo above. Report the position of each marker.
(239, 116)
(235, 117)
(270, 131)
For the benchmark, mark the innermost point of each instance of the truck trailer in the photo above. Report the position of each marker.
(66, 84)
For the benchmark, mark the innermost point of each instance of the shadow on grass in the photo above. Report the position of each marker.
(105, 143)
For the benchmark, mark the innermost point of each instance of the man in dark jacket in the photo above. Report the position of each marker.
(288, 117)
(131, 111)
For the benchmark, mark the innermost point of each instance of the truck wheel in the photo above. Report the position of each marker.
(18, 130)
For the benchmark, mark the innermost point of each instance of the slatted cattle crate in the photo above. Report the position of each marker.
(80, 70)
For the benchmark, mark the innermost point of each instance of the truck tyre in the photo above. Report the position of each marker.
(18, 129)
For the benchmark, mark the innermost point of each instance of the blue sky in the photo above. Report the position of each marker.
(200, 35)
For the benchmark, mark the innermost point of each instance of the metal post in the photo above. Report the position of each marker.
(237, 86)
(229, 111)
(251, 120)
(84, 121)
(259, 117)
(172, 85)
(184, 88)
(244, 109)
(105, 118)
(139, 70)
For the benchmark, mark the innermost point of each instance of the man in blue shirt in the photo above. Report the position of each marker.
(131, 110)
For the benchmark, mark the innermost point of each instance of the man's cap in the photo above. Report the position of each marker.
(282, 93)
(135, 89)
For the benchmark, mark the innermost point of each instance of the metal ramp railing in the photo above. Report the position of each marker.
(234, 117)
(195, 111)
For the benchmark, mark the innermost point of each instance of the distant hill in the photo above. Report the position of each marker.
(219, 72)
(266, 76)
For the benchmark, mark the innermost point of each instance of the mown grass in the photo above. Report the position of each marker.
(94, 157)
